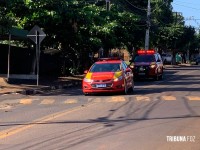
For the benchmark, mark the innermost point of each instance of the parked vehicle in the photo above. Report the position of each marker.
(108, 75)
(197, 60)
(148, 64)
(167, 58)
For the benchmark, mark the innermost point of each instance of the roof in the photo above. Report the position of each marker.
(16, 33)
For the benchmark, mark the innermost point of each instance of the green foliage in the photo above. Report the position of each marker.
(79, 27)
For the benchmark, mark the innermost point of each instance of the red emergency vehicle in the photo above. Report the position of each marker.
(148, 64)
(108, 75)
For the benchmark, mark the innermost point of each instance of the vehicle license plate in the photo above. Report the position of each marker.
(141, 73)
(141, 69)
(100, 85)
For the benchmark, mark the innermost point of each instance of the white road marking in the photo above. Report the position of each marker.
(168, 98)
(47, 101)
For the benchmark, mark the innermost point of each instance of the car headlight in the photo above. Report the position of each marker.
(87, 80)
(118, 79)
(152, 66)
(132, 66)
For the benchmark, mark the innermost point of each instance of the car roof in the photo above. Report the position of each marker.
(109, 60)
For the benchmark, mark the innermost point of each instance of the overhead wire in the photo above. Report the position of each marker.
(158, 6)
(135, 6)
(139, 12)
(146, 9)
(154, 9)
(186, 2)
(133, 10)
(189, 7)
(186, 6)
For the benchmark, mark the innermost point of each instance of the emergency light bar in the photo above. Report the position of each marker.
(146, 52)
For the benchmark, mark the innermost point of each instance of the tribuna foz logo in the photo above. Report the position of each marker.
(180, 138)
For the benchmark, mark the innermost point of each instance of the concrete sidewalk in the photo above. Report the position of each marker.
(44, 84)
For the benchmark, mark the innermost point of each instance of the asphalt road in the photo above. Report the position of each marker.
(158, 115)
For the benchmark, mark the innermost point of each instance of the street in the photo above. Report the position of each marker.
(162, 114)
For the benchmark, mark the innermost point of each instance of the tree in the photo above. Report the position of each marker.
(77, 28)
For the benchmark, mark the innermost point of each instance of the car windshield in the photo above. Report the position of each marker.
(144, 58)
(105, 67)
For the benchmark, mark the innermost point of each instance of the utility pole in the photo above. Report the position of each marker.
(108, 5)
(148, 26)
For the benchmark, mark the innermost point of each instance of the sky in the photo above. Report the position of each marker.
(190, 10)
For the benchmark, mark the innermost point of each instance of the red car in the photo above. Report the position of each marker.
(148, 64)
(108, 75)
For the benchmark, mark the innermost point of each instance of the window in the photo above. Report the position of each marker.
(107, 67)
(144, 58)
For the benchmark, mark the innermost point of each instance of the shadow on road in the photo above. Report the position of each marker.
(173, 81)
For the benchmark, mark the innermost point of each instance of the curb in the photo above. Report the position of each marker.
(53, 87)
(40, 90)
(177, 66)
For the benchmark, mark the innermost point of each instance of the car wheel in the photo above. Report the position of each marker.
(86, 94)
(131, 89)
(161, 76)
(156, 77)
(125, 88)
(165, 61)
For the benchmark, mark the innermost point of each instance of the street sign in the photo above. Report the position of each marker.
(36, 35)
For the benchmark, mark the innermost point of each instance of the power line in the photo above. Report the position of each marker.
(135, 6)
(187, 6)
(138, 11)
(193, 19)
(186, 2)
(159, 6)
